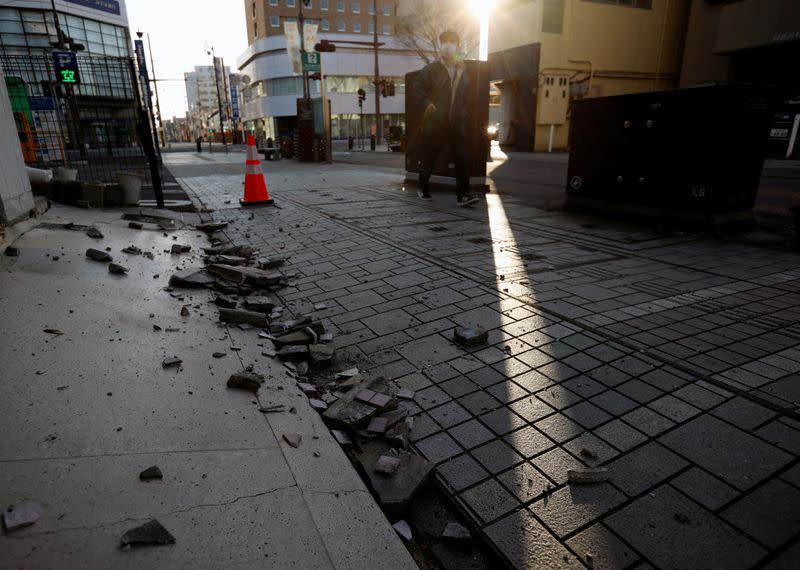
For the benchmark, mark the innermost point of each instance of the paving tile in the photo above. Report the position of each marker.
(692, 539)
(787, 388)
(502, 420)
(781, 435)
(486, 376)
(458, 387)
(413, 382)
(507, 391)
(588, 443)
(663, 379)
(673, 408)
(461, 472)
(584, 386)
(558, 372)
(648, 421)
(430, 397)
(632, 365)
(605, 549)
(559, 428)
(586, 414)
(559, 397)
(575, 506)
(441, 372)
(479, 402)
(581, 361)
(555, 464)
(533, 381)
(438, 448)
(614, 403)
(389, 322)
(699, 397)
(529, 441)
(489, 500)
(531, 408)
(525, 543)
(787, 560)
(609, 376)
(604, 352)
(644, 468)
(423, 427)
(511, 367)
(535, 358)
(430, 350)
(733, 455)
(743, 413)
(471, 434)
(639, 391)
(449, 414)
(524, 481)
(360, 300)
(704, 488)
(496, 456)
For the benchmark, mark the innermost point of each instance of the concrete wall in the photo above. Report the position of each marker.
(16, 199)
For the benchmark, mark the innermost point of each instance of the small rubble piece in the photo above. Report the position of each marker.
(373, 398)
(318, 405)
(588, 453)
(135, 225)
(320, 307)
(403, 530)
(53, 331)
(303, 337)
(117, 269)
(172, 329)
(94, 233)
(179, 248)
(293, 439)
(260, 304)
(132, 249)
(405, 394)
(326, 337)
(349, 413)
(218, 354)
(293, 353)
(149, 255)
(387, 465)
(224, 302)
(151, 473)
(272, 263)
(321, 354)
(97, 255)
(171, 362)
(156, 328)
(245, 275)
(345, 374)
(21, 515)
(302, 368)
(12, 251)
(586, 476)
(470, 337)
(151, 532)
(456, 531)
(275, 408)
(245, 251)
(211, 226)
(238, 316)
(184, 311)
(193, 278)
(378, 426)
(245, 381)
(341, 437)
(306, 387)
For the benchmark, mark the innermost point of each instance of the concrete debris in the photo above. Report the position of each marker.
(272, 263)
(387, 465)
(97, 255)
(394, 416)
(470, 337)
(226, 288)
(302, 368)
(21, 515)
(237, 316)
(149, 255)
(211, 226)
(348, 412)
(246, 275)
(326, 337)
(117, 269)
(272, 409)
(94, 233)
(12, 251)
(411, 474)
(403, 530)
(245, 251)
(135, 225)
(321, 354)
(349, 373)
(225, 302)
(245, 380)
(184, 311)
(329, 398)
(587, 476)
(219, 354)
(152, 532)
(373, 398)
(378, 426)
(244, 326)
(318, 405)
(260, 304)
(293, 439)
(156, 328)
(398, 436)
(234, 260)
(588, 453)
(53, 332)
(348, 384)
(456, 531)
(171, 362)
(269, 352)
(341, 437)
(294, 353)
(172, 329)
(306, 387)
(320, 307)
(193, 278)
(151, 473)
(132, 249)
(303, 337)
(405, 394)
(178, 248)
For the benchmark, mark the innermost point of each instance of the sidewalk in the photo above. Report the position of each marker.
(670, 360)
(84, 412)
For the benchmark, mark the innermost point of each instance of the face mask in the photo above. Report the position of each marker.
(449, 49)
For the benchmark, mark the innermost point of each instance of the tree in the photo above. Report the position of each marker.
(419, 29)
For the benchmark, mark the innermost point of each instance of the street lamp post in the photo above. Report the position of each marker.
(377, 72)
(219, 97)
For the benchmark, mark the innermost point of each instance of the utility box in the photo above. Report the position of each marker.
(477, 137)
(689, 154)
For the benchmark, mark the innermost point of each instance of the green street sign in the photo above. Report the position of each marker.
(66, 66)
(311, 61)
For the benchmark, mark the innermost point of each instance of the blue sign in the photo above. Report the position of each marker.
(66, 66)
(235, 102)
(110, 6)
(141, 61)
(39, 103)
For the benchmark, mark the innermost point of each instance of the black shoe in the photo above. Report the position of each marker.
(466, 200)
(424, 195)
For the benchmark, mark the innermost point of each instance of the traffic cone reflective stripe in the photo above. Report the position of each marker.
(255, 188)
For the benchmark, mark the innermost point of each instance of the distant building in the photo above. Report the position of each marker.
(203, 103)
(177, 130)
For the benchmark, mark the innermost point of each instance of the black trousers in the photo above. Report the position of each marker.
(451, 142)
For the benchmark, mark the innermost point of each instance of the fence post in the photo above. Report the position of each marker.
(146, 140)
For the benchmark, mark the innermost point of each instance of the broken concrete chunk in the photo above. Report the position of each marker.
(302, 368)
(380, 400)
(296, 338)
(53, 331)
(260, 304)
(178, 248)
(237, 316)
(211, 226)
(378, 426)
(306, 387)
(456, 531)
(245, 251)
(470, 337)
(320, 306)
(349, 373)
(193, 278)
(403, 530)
(293, 439)
(245, 381)
(151, 532)
(135, 225)
(394, 492)
(151, 473)
(387, 464)
(171, 362)
(294, 353)
(184, 311)
(341, 437)
(246, 275)
(318, 405)
(273, 409)
(117, 269)
(329, 398)
(586, 476)
(321, 354)
(272, 263)
(405, 394)
(21, 515)
(351, 413)
(393, 417)
(326, 337)
(218, 354)
(97, 255)
(12, 251)
(132, 249)
(94, 233)
(225, 302)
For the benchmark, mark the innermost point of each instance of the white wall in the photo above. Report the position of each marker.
(16, 199)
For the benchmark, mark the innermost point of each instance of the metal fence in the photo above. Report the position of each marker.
(90, 127)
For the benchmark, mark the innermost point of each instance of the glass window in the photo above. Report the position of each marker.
(323, 4)
(553, 16)
(357, 27)
(371, 9)
(371, 27)
(10, 26)
(290, 3)
(340, 6)
(274, 21)
(341, 26)
(387, 29)
(273, 2)
(387, 10)
(325, 25)
(356, 8)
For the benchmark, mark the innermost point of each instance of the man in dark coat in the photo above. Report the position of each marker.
(442, 90)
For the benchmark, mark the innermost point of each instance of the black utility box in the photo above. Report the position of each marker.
(688, 153)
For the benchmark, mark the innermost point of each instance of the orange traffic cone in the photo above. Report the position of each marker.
(255, 189)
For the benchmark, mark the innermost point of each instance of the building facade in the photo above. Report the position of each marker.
(270, 108)
(545, 53)
(203, 103)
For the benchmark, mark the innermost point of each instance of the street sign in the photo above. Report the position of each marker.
(66, 66)
(311, 61)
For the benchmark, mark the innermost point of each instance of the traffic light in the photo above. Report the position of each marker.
(316, 76)
(325, 46)
(362, 95)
